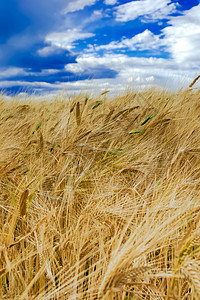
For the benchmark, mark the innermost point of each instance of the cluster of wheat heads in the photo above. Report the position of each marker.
(99, 198)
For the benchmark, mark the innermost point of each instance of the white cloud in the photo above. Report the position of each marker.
(76, 5)
(11, 83)
(65, 39)
(110, 2)
(48, 50)
(142, 41)
(182, 38)
(134, 71)
(150, 79)
(11, 71)
(45, 72)
(120, 63)
(149, 10)
(94, 17)
(74, 68)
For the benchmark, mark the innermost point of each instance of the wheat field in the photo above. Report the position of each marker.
(99, 197)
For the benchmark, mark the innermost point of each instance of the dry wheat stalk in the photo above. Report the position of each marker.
(194, 81)
(23, 203)
(78, 114)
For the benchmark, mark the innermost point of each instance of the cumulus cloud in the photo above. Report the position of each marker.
(74, 68)
(142, 41)
(182, 38)
(66, 39)
(76, 5)
(135, 71)
(148, 10)
(120, 63)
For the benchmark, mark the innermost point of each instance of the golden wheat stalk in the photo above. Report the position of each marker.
(194, 81)
(78, 114)
(23, 203)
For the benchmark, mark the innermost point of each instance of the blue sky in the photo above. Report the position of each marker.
(86, 45)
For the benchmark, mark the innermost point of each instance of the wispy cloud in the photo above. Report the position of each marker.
(11, 72)
(67, 38)
(148, 10)
(110, 2)
(76, 5)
